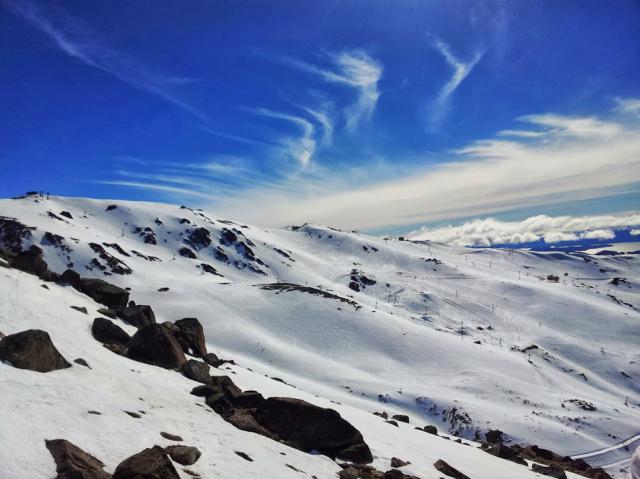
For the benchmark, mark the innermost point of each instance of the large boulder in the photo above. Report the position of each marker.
(550, 471)
(73, 463)
(196, 371)
(155, 344)
(107, 332)
(32, 349)
(69, 276)
(137, 315)
(152, 463)
(309, 427)
(104, 293)
(505, 452)
(191, 336)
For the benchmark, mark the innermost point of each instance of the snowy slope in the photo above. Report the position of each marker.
(395, 345)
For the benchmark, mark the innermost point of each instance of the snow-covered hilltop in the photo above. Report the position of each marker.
(540, 346)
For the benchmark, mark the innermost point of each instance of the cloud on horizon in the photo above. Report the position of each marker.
(490, 231)
(568, 159)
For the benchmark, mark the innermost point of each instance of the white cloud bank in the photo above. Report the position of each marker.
(489, 231)
(572, 159)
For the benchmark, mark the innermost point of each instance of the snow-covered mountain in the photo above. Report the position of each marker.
(541, 346)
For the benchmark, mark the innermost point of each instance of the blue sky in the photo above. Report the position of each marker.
(383, 115)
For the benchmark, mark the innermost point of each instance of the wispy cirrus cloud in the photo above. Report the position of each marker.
(437, 110)
(628, 105)
(490, 231)
(78, 40)
(569, 161)
(356, 69)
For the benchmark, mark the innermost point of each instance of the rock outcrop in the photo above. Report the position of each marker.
(32, 349)
(151, 463)
(73, 463)
(155, 344)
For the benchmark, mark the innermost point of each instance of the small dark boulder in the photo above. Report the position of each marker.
(505, 452)
(73, 463)
(80, 309)
(448, 470)
(171, 437)
(140, 315)
(70, 277)
(400, 417)
(396, 462)
(32, 349)
(246, 399)
(205, 390)
(430, 429)
(494, 436)
(155, 344)
(107, 332)
(308, 427)
(190, 335)
(82, 362)
(151, 463)
(66, 214)
(186, 252)
(185, 455)
(549, 471)
(110, 313)
(213, 360)
(196, 371)
(104, 293)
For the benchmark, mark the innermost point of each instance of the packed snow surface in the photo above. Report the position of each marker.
(543, 346)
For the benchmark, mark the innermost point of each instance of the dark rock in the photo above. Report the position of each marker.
(307, 427)
(199, 238)
(186, 252)
(219, 403)
(196, 371)
(73, 463)
(82, 362)
(212, 360)
(185, 455)
(549, 471)
(116, 348)
(152, 463)
(191, 335)
(80, 309)
(140, 315)
(448, 470)
(171, 437)
(430, 429)
(30, 261)
(107, 332)
(70, 277)
(358, 453)
(393, 423)
(400, 417)
(494, 436)
(246, 399)
(163, 289)
(32, 349)
(354, 286)
(104, 293)
(244, 420)
(66, 214)
(205, 390)
(244, 455)
(110, 313)
(395, 462)
(133, 414)
(225, 384)
(155, 344)
(111, 207)
(506, 452)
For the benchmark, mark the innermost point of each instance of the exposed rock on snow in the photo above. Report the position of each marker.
(308, 427)
(190, 335)
(155, 344)
(104, 293)
(138, 315)
(108, 332)
(151, 463)
(74, 463)
(32, 349)
(185, 455)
